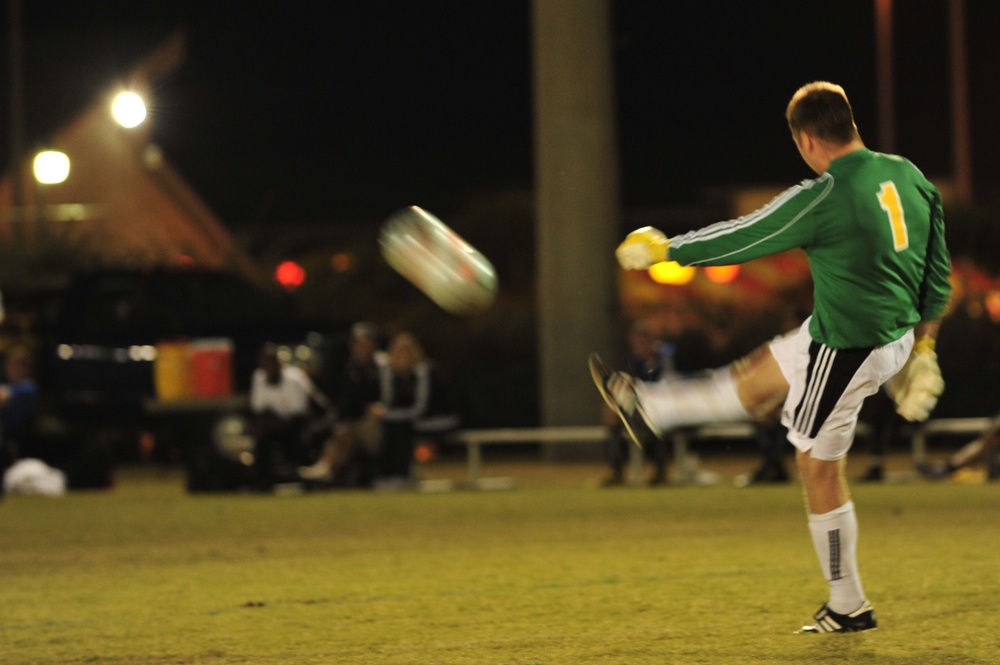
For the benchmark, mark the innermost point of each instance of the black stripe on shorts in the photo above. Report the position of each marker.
(829, 373)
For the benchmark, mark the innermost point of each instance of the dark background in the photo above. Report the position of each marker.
(325, 111)
(304, 123)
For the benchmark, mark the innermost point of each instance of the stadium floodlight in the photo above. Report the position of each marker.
(51, 167)
(128, 109)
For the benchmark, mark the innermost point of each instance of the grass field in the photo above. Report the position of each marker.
(549, 573)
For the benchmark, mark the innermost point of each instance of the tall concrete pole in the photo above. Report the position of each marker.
(960, 102)
(885, 79)
(577, 207)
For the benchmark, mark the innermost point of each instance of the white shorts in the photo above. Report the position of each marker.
(826, 388)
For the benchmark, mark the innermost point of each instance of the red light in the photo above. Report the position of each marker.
(290, 275)
(425, 452)
(722, 274)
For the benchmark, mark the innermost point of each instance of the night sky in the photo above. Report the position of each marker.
(321, 110)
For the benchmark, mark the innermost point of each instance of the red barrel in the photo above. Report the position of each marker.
(212, 367)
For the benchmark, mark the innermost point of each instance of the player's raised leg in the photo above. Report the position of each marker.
(752, 388)
(619, 392)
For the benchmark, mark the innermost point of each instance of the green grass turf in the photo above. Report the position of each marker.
(545, 574)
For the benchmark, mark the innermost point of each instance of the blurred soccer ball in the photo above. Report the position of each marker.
(452, 273)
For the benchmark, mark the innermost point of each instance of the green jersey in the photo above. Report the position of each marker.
(873, 229)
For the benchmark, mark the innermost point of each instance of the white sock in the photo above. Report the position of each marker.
(699, 401)
(835, 537)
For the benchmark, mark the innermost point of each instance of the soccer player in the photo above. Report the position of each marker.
(873, 229)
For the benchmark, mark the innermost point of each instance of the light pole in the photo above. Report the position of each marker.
(961, 132)
(885, 76)
(16, 115)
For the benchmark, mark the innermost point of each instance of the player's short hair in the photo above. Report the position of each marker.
(821, 109)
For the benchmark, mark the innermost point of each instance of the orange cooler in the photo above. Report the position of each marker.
(172, 371)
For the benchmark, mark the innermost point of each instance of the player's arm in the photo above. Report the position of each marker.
(310, 389)
(780, 225)
(918, 385)
(321, 400)
(787, 222)
(935, 289)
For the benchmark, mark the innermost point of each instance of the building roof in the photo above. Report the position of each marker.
(123, 200)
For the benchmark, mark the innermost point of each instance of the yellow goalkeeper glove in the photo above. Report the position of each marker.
(642, 248)
(917, 386)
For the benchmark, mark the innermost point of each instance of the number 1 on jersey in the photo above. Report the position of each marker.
(888, 198)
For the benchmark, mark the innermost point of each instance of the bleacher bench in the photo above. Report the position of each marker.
(686, 471)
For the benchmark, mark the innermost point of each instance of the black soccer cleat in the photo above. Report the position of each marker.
(828, 621)
(618, 390)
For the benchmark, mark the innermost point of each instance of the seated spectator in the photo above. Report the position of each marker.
(348, 455)
(408, 386)
(649, 359)
(281, 396)
(772, 442)
(18, 404)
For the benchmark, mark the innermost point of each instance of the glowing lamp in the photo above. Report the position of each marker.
(671, 272)
(128, 109)
(722, 274)
(51, 167)
(992, 303)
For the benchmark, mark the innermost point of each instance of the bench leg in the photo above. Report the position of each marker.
(635, 463)
(683, 471)
(919, 444)
(474, 462)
